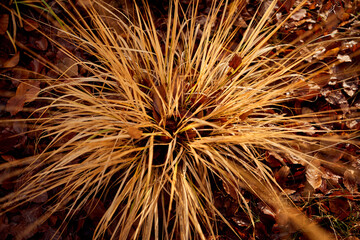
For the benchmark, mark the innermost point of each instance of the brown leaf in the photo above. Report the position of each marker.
(41, 198)
(30, 90)
(13, 61)
(41, 44)
(350, 181)
(246, 114)
(26, 92)
(15, 104)
(36, 66)
(274, 159)
(20, 73)
(265, 209)
(282, 174)
(339, 206)
(4, 226)
(299, 15)
(8, 158)
(287, 4)
(68, 65)
(95, 209)
(235, 61)
(313, 174)
(230, 189)
(4, 22)
(134, 132)
(30, 25)
(31, 214)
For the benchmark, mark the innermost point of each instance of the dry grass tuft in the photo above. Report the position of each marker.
(158, 116)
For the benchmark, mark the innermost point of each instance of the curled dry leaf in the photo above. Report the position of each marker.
(134, 132)
(313, 174)
(13, 61)
(4, 22)
(282, 174)
(26, 92)
(350, 180)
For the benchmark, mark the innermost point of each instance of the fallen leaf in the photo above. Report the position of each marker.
(351, 87)
(265, 209)
(26, 92)
(20, 73)
(68, 66)
(349, 180)
(287, 4)
(313, 174)
(336, 98)
(95, 209)
(339, 206)
(15, 104)
(36, 66)
(282, 174)
(4, 226)
(10, 140)
(343, 58)
(299, 15)
(235, 61)
(274, 159)
(30, 25)
(230, 189)
(41, 44)
(8, 158)
(134, 132)
(32, 214)
(4, 22)
(13, 61)
(41, 198)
